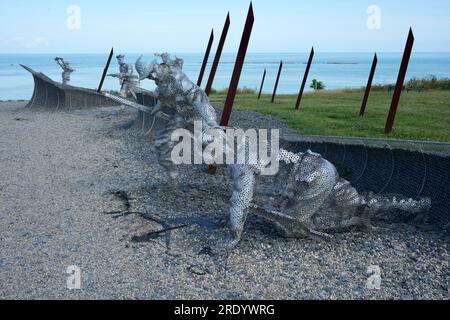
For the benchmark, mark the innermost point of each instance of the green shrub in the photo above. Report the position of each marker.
(317, 85)
(417, 84)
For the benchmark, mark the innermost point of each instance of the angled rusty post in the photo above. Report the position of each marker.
(305, 78)
(262, 83)
(105, 71)
(400, 82)
(276, 82)
(218, 54)
(369, 86)
(228, 107)
(205, 59)
(238, 67)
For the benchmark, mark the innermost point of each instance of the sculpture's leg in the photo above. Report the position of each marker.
(244, 183)
(130, 90)
(289, 225)
(352, 213)
(164, 146)
(123, 90)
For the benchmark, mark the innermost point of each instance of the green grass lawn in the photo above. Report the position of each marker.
(420, 116)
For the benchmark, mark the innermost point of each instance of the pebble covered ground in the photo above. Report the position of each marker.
(80, 189)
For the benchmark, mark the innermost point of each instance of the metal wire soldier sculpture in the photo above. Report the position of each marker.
(126, 76)
(309, 197)
(67, 70)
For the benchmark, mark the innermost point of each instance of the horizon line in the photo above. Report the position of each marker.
(229, 52)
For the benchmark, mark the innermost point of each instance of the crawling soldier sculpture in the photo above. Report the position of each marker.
(312, 198)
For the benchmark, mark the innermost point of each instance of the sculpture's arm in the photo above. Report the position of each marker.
(288, 157)
(243, 187)
(293, 228)
(157, 108)
(60, 62)
(156, 93)
(157, 112)
(64, 65)
(124, 73)
(200, 102)
(208, 115)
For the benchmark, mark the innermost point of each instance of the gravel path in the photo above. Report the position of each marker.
(77, 189)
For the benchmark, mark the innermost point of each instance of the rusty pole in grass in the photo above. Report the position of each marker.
(369, 86)
(205, 59)
(400, 82)
(228, 107)
(105, 71)
(238, 67)
(276, 82)
(218, 54)
(262, 83)
(305, 78)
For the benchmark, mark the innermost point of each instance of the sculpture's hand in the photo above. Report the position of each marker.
(157, 112)
(228, 243)
(162, 115)
(155, 94)
(156, 109)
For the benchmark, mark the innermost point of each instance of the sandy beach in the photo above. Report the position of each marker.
(76, 189)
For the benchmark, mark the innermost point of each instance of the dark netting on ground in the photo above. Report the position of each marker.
(412, 168)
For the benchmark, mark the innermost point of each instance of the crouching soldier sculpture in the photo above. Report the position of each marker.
(310, 198)
(67, 70)
(126, 76)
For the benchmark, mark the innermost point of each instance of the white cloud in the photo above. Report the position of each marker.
(19, 42)
(37, 42)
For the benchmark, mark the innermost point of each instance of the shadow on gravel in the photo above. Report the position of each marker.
(119, 204)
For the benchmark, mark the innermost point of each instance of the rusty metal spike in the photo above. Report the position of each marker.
(218, 54)
(305, 78)
(400, 82)
(277, 81)
(205, 59)
(105, 71)
(228, 107)
(262, 83)
(369, 86)
(238, 67)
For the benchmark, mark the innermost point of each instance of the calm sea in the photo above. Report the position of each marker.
(336, 70)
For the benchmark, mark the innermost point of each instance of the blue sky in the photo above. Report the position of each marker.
(184, 26)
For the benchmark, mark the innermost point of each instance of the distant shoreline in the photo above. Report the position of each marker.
(226, 53)
(337, 71)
